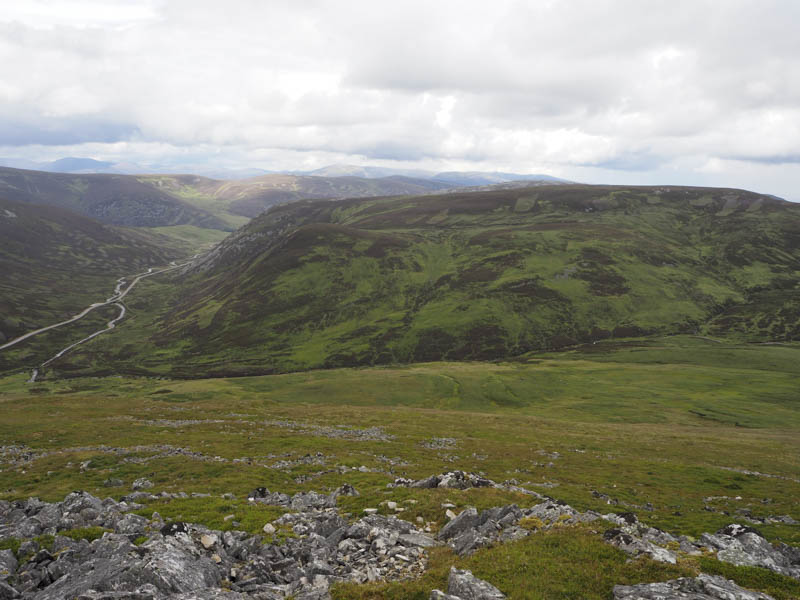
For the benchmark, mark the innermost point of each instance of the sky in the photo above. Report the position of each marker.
(697, 92)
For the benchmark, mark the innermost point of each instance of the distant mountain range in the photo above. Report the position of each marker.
(157, 200)
(78, 165)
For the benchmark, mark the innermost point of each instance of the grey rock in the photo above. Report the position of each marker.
(440, 595)
(417, 539)
(637, 546)
(8, 564)
(464, 585)
(113, 482)
(467, 519)
(345, 490)
(142, 484)
(7, 592)
(744, 546)
(703, 587)
(131, 524)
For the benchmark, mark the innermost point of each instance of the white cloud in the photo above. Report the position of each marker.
(603, 90)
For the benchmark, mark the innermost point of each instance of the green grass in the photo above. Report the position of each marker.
(211, 512)
(776, 585)
(478, 276)
(89, 534)
(570, 562)
(620, 419)
(588, 353)
(197, 237)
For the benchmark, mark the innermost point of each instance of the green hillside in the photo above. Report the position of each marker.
(474, 276)
(54, 263)
(112, 199)
(239, 200)
(173, 200)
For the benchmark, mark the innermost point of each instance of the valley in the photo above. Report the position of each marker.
(565, 390)
(471, 276)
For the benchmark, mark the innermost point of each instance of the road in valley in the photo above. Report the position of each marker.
(120, 291)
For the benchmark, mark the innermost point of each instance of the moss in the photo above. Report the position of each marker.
(531, 523)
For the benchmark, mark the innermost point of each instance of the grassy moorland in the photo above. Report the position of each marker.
(471, 276)
(620, 349)
(686, 432)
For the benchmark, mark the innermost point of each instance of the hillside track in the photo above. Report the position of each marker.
(120, 291)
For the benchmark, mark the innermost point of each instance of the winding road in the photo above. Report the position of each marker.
(120, 291)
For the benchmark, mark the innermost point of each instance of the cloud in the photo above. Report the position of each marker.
(609, 88)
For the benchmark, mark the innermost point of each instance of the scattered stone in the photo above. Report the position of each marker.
(208, 540)
(142, 484)
(439, 443)
(459, 480)
(113, 482)
(345, 432)
(702, 587)
(269, 529)
(301, 501)
(370, 511)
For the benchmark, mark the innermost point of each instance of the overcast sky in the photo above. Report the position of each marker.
(642, 91)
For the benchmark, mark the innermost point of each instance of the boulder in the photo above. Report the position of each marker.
(8, 564)
(702, 587)
(465, 586)
(467, 519)
(744, 546)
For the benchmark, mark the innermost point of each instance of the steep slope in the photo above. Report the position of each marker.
(54, 262)
(112, 199)
(484, 275)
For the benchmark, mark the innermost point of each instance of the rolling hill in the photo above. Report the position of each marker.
(169, 200)
(112, 199)
(477, 276)
(247, 198)
(55, 262)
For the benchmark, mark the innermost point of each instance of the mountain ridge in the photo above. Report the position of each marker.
(482, 276)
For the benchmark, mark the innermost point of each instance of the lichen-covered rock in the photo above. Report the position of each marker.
(745, 546)
(465, 586)
(8, 564)
(703, 587)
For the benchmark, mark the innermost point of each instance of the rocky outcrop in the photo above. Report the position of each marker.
(742, 545)
(703, 587)
(461, 480)
(301, 501)
(141, 559)
(463, 585)
(469, 530)
(458, 480)
(736, 544)
(305, 551)
(32, 517)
